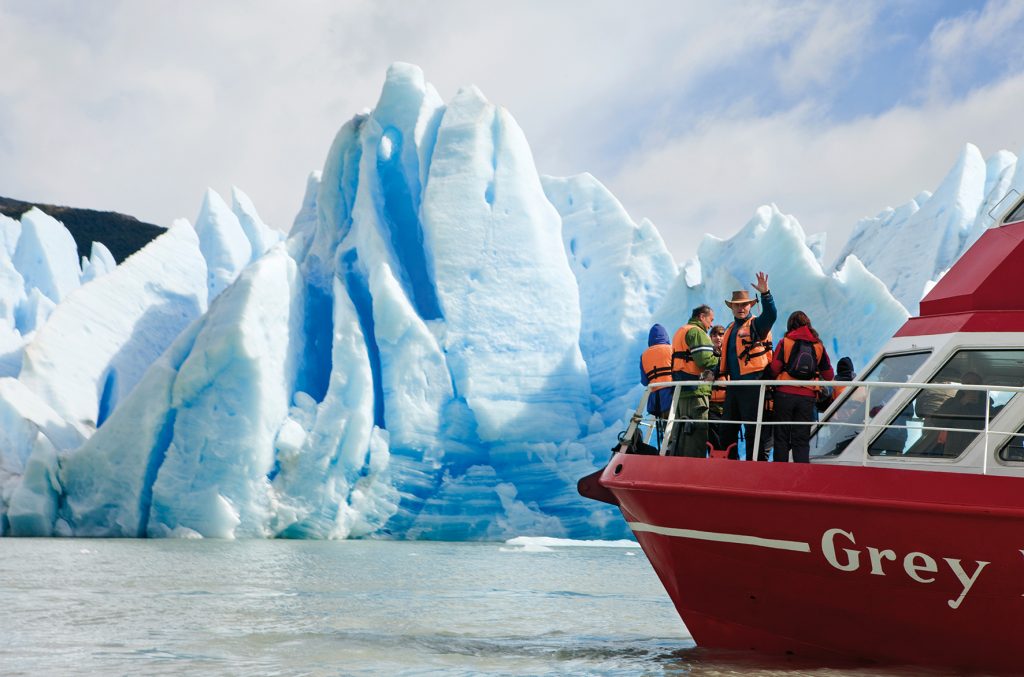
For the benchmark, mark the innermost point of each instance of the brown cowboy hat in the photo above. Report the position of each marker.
(740, 297)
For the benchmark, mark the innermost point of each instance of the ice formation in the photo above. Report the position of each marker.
(908, 248)
(444, 343)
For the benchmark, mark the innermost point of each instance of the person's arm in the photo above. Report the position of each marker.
(701, 349)
(825, 366)
(775, 368)
(643, 374)
(763, 322)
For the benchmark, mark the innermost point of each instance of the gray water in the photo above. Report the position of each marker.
(207, 607)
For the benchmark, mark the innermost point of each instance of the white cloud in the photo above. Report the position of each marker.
(832, 43)
(139, 107)
(957, 44)
(954, 37)
(827, 175)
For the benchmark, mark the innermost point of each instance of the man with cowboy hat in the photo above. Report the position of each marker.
(746, 351)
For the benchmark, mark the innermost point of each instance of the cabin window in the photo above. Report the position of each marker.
(943, 422)
(1013, 450)
(848, 414)
(1017, 215)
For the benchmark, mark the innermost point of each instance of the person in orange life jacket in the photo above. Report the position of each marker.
(746, 351)
(795, 403)
(693, 358)
(717, 401)
(656, 367)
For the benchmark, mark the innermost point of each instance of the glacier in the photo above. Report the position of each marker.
(443, 343)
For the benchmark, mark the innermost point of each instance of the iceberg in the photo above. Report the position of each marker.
(910, 247)
(442, 345)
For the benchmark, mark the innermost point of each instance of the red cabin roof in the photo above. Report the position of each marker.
(982, 292)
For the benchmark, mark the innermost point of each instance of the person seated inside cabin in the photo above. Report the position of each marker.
(893, 439)
(965, 409)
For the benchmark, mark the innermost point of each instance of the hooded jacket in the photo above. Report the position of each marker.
(779, 363)
(660, 400)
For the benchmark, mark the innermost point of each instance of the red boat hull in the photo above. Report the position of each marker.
(826, 561)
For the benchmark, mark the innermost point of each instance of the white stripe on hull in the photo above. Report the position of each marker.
(742, 539)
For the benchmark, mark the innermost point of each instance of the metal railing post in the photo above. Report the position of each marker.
(867, 417)
(984, 457)
(757, 426)
(671, 423)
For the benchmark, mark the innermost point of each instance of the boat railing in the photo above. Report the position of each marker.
(646, 425)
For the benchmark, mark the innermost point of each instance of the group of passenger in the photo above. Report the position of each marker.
(704, 355)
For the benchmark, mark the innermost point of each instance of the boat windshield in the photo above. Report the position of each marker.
(952, 417)
(831, 439)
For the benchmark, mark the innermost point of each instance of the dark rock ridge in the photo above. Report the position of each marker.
(123, 235)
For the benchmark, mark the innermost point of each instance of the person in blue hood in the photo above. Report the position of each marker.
(656, 367)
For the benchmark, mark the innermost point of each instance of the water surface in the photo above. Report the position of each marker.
(209, 607)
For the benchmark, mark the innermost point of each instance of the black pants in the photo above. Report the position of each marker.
(795, 438)
(714, 428)
(741, 405)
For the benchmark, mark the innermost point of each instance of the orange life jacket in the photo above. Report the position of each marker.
(718, 392)
(682, 360)
(785, 348)
(752, 355)
(657, 363)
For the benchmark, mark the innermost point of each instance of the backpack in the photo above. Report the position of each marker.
(802, 363)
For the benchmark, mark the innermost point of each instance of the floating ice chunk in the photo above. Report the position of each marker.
(549, 542)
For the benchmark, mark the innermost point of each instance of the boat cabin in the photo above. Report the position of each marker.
(960, 364)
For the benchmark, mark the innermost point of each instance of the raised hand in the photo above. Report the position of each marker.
(762, 283)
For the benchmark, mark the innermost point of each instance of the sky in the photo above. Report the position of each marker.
(692, 113)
